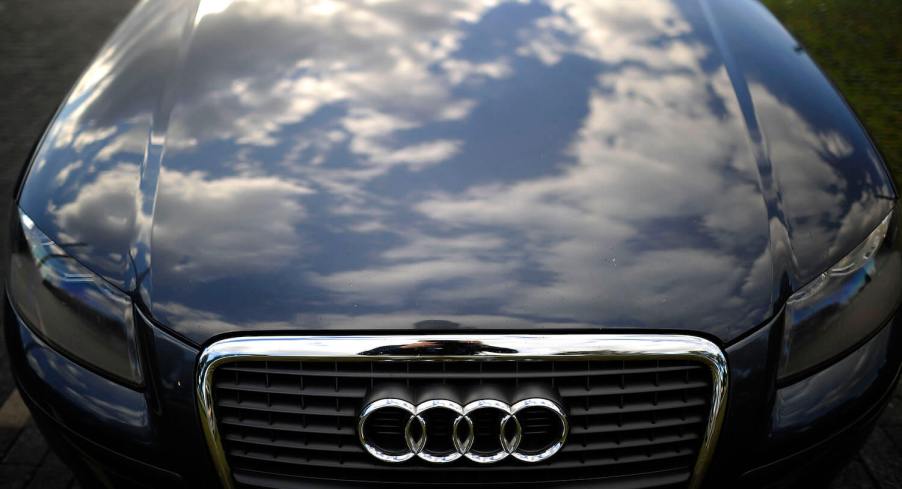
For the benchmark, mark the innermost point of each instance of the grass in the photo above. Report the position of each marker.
(858, 43)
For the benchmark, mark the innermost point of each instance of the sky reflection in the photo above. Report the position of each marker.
(493, 164)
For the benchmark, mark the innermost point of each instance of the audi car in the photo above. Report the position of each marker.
(540, 243)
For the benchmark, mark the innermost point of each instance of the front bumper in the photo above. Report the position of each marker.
(807, 431)
(119, 437)
(111, 435)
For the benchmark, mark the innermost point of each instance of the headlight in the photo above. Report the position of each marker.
(843, 306)
(71, 308)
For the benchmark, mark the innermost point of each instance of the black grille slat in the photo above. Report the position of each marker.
(639, 389)
(294, 445)
(452, 375)
(643, 407)
(329, 429)
(630, 420)
(633, 443)
(646, 480)
(307, 391)
(323, 461)
(635, 426)
(273, 408)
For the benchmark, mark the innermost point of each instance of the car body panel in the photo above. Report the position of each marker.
(751, 440)
(828, 395)
(79, 397)
(652, 165)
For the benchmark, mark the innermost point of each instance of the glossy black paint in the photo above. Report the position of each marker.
(672, 164)
(846, 312)
(667, 165)
(77, 396)
(109, 434)
(825, 395)
(160, 443)
(56, 296)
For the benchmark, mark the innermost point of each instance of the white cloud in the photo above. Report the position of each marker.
(208, 227)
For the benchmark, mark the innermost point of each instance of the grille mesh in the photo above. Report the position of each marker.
(633, 422)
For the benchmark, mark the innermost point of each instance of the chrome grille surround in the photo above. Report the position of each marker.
(589, 347)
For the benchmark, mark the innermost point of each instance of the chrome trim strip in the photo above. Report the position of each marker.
(463, 347)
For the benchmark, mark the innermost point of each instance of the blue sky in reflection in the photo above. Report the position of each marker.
(334, 163)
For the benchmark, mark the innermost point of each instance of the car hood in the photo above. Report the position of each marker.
(296, 166)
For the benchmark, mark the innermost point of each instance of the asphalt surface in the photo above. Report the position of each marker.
(44, 45)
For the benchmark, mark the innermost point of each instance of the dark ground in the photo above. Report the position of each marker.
(44, 45)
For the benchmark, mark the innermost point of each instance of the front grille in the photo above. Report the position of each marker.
(633, 423)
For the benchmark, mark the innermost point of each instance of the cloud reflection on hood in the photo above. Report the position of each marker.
(480, 162)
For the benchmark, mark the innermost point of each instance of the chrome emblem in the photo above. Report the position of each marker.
(459, 425)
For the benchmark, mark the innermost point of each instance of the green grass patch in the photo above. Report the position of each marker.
(858, 43)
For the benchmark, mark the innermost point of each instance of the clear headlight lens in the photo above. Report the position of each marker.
(71, 308)
(842, 306)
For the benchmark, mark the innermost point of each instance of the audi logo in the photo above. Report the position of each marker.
(442, 431)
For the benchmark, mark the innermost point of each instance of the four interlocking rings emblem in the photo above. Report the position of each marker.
(510, 430)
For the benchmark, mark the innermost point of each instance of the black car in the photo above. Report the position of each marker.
(325, 243)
